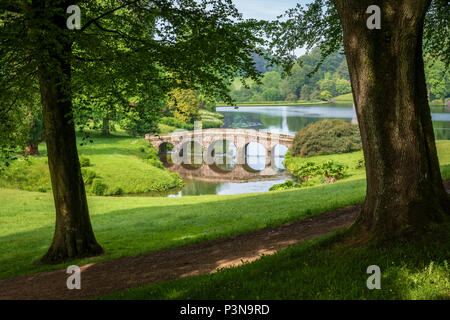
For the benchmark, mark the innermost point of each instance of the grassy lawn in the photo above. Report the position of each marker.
(345, 98)
(211, 119)
(351, 160)
(323, 269)
(126, 165)
(134, 225)
(275, 103)
(129, 226)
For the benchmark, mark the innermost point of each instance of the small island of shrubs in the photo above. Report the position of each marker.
(325, 137)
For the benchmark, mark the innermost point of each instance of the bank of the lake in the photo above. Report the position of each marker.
(118, 165)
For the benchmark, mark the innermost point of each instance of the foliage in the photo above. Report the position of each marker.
(99, 187)
(88, 176)
(317, 25)
(174, 122)
(328, 172)
(311, 173)
(37, 132)
(271, 94)
(85, 162)
(299, 84)
(184, 105)
(361, 164)
(285, 186)
(124, 52)
(124, 163)
(332, 76)
(333, 171)
(327, 137)
(325, 95)
(438, 79)
(140, 118)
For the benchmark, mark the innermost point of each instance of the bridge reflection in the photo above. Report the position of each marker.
(223, 154)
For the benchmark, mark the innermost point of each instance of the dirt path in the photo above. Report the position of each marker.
(115, 275)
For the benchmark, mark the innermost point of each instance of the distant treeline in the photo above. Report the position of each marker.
(331, 80)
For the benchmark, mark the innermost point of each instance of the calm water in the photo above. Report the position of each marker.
(285, 120)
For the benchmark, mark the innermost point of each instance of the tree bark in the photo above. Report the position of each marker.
(32, 149)
(405, 192)
(73, 237)
(105, 127)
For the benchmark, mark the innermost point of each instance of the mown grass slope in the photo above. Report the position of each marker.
(324, 269)
(125, 165)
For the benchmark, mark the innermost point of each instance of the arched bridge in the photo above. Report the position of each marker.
(203, 142)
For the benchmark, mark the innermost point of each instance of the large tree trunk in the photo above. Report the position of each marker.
(73, 237)
(405, 192)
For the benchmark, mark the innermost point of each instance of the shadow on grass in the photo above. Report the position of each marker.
(151, 228)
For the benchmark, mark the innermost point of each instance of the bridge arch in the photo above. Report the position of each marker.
(206, 140)
(276, 154)
(224, 147)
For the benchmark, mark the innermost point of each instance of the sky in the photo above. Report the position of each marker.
(267, 10)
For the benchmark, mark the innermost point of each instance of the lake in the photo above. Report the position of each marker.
(283, 120)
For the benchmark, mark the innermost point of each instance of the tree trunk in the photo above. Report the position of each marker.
(105, 127)
(32, 149)
(405, 192)
(73, 237)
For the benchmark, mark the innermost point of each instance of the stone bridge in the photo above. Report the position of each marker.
(185, 144)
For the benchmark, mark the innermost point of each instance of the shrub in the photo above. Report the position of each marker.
(361, 164)
(327, 137)
(99, 187)
(333, 171)
(156, 163)
(85, 162)
(307, 171)
(88, 175)
(184, 104)
(117, 191)
(286, 186)
(310, 173)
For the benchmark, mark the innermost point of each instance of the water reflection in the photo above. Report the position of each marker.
(276, 119)
(194, 187)
(288, 120)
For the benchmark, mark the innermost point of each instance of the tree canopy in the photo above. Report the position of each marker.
(125, 50)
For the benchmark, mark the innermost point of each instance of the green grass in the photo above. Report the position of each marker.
(130, 226)
(352, 159)
(126, 165)
(275, 103)
(323, 269)
(345, 98)
(211, 119)
(165, 129)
